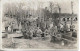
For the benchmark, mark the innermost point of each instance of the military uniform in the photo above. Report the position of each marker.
(25, 28)
(53, 33)
(39, 32)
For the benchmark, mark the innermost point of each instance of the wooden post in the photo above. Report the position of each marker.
(72, 10)
(72, 15)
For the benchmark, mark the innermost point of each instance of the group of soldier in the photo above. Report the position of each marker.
(51, 31)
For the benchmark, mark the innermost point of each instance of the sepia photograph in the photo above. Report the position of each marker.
(40, 24)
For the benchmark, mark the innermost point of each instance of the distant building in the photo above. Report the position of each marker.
(9, 24)
(67, 17)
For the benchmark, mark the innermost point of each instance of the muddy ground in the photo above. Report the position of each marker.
(35, 43)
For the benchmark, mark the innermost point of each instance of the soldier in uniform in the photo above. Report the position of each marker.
(38, 32)
(53, 33)
(25, 28)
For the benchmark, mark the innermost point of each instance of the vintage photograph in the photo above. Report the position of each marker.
(40, 24)
(0, 26)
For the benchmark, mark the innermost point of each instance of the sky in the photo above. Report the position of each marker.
(34, 4)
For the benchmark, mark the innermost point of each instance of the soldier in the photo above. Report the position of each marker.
(24, 28)
(65, 28)
(53, 33)
(30, 34)
(39, 32)
(46, 32)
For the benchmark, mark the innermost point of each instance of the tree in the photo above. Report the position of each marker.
(14, 10)
(51, 6)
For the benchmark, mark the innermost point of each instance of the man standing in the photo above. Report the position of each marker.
(53, 33)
